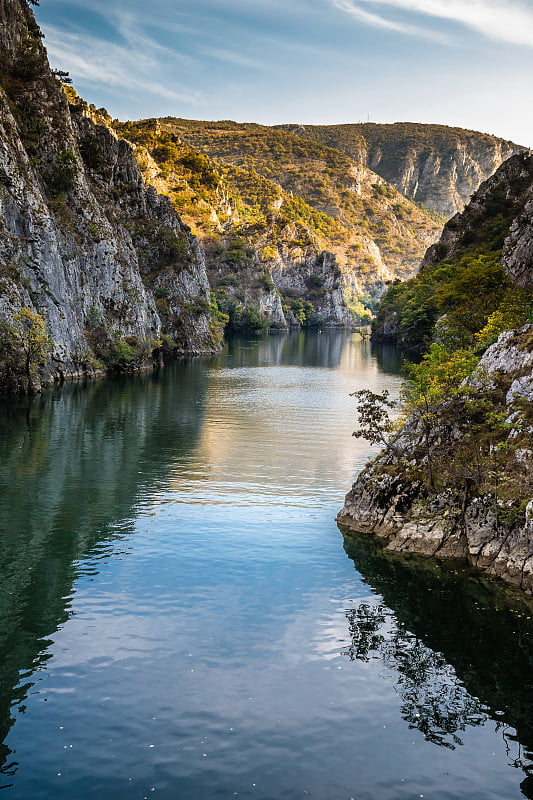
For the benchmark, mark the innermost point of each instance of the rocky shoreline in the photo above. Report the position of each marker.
(489, 532)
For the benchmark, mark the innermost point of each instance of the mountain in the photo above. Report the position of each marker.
(290, 199)
(455, 477)
(86, 248)
(436, 166)
(267, 269)
(99, 267)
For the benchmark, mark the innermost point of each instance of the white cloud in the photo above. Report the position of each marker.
(230, 57)
(353, 8)
(118, 65)
(503, 20)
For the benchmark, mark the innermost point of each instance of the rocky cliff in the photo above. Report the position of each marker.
(267, 270)
(284, 196)
(474, 269)
(486, 520)
(455, 480)
(86, 248)
(435, 165)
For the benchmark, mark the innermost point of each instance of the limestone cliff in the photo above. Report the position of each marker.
(435, 165)
(85, 246)
(456, 480)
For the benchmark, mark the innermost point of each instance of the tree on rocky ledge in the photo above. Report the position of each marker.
(456, 430)
(375, 424)
(31, 338)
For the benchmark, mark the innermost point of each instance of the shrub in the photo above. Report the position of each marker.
(63, 174)
(269, 253)
(266, 282)
(29, 62)
(31, 337)
(315, 281)
(229, 280)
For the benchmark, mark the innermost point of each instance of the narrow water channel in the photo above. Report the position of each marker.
(180, 617)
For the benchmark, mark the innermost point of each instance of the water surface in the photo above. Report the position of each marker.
(181, 618)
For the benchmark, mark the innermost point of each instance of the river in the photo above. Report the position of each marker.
(181, 618)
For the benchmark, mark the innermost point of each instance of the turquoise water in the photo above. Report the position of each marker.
(181, 617)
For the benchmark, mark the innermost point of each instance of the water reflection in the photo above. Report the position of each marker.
(188, 520)
(75, 463)
(71, 471)
(326, 350)
(322, 350)
(459, 645)
(432, 700)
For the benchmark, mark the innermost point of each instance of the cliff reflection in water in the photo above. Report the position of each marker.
(460, 646)
(288, 349)
(73, 464)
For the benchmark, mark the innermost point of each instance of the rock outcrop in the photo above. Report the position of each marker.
(85, 245)
(493, 534)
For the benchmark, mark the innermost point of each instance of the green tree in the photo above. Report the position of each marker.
(432, 397)
(373, 416)
(31, 337)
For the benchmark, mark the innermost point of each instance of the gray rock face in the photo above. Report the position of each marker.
(83, 242)
(384, 502)
(285, 282)
(330, 309)
(443, 179)
(506, 193)
(518, 249)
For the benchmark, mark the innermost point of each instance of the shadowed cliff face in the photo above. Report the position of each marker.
(462, 648)
(83, 242)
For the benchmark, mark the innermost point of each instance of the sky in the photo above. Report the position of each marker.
(466, 63)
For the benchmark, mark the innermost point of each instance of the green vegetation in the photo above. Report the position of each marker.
(92, 155)
(249, 190)
(456, 429)
(24, 345)
(63, 174)
(455, 434)
(236, 315)
(114, 351)
(468, 293)
(462, 294)
(29, 62)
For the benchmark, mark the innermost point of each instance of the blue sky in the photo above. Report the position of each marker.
(457, 62)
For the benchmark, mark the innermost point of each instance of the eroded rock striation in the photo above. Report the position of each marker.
(84, 244)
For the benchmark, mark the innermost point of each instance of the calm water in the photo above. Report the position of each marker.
(181, 618)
